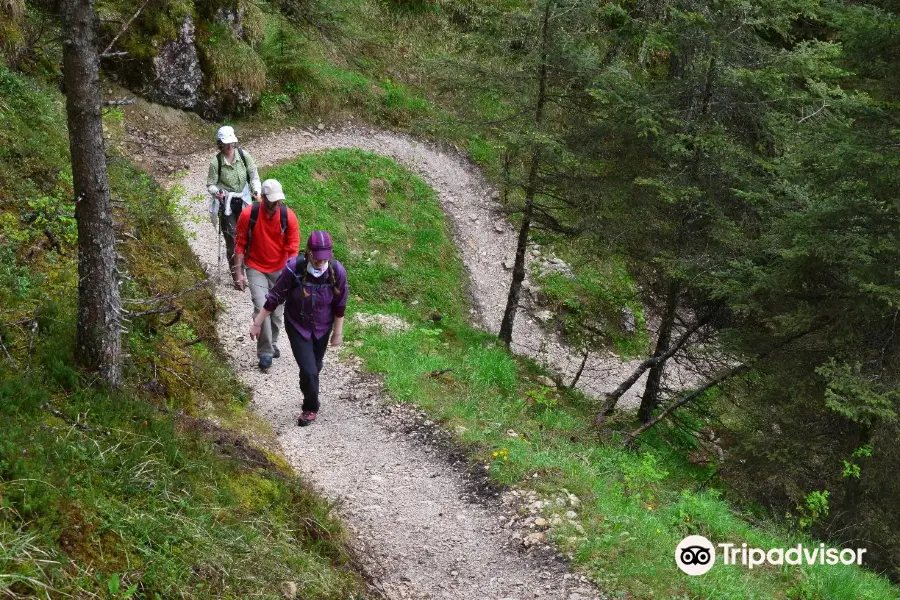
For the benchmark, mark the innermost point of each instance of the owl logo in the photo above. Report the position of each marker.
(695, 555)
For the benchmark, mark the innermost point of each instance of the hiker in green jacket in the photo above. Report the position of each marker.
(231, 177)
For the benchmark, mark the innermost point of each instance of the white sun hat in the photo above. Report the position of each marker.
(226, 135)
(272, 191)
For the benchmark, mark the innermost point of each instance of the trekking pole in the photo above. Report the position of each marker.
(219, 246)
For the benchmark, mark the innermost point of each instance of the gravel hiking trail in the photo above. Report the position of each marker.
(423, 525)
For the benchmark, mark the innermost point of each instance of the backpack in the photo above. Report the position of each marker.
(301, 267)
(254, 216)
(241, 152)
(298, 283)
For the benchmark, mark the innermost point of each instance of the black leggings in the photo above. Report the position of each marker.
(309, 354)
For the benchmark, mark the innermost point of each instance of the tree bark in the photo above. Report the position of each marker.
(650, 399)
(98, 339)
(518, 274)
(580, 370)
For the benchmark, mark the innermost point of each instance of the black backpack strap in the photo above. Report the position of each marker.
(243, 160)
(254, 216)
(301, 266)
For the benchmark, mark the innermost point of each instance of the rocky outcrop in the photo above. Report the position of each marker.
(191, 64)
(236, 99)
(176, 70)
(232, 17)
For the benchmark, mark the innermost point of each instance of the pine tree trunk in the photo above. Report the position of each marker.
(98, 341)
(650, 399)
(518, 274)
(584, 360)
(612, 398)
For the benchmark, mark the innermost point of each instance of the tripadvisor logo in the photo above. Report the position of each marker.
(696, 555)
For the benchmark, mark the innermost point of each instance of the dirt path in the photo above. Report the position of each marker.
(422, 529)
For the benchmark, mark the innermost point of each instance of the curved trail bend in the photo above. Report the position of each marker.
(417, 530)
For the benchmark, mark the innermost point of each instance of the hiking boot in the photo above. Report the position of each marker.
(276, 353)
(265, 361)
(306, 418)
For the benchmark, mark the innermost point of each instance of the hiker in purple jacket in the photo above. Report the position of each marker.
(314, 290)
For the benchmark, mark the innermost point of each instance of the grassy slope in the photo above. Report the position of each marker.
(636, 506)
(113, 494)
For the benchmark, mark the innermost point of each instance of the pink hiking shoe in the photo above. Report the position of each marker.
(306, 418)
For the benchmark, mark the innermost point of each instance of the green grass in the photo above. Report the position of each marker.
(114, 494)
(635, 506)
(400, 252)
(308, 82)
(600, 287)
(113, 488)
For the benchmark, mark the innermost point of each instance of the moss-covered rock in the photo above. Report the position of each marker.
(234, 75)
(194, 55)
(177, 71)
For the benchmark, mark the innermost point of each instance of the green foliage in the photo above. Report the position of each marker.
(853, 395)
(542, 398)
(642, 475)
(309, 84)
(144, 502)
(482, 151)
(633, 510)
(231, 66)
(147, 34)
(111, 494)
(850, 470)
(33, 147)
(589, 305)
(814, 509)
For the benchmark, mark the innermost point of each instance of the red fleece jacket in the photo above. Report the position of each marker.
(269, 250)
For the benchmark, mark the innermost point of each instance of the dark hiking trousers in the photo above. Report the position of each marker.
(309, 354)
(228, 225)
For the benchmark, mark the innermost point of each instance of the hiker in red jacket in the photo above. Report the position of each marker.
(314, 289)
(267, 236)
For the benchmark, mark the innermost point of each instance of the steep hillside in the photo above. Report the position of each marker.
(143, 492)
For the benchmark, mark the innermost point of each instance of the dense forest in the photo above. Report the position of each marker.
(740, 160)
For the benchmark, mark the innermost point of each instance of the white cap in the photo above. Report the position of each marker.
(271, 189)
(226, 135)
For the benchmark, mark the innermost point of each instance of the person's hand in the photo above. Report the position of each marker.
(257, 196)
(241, 283)
(336, 339)
(255, 330)
(220, 195)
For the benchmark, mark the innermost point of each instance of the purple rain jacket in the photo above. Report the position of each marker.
(312, 315)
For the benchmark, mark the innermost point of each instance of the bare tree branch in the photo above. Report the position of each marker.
(715, 382)
(12, 363)
(124, 28)
(168, 297)
(613, 397)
